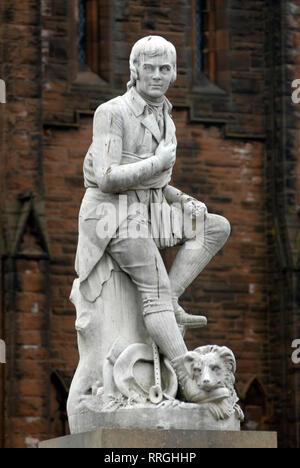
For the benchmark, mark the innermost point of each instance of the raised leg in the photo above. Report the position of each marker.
(192, 258)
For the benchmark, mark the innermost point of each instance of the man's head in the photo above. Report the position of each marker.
(152, 66)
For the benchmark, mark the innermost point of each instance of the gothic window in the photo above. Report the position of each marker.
(204, 37)
(254, 404)
(93, 37)
(58, 403)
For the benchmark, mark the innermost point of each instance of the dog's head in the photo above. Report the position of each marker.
(212, 368)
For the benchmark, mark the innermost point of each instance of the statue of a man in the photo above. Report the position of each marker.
(132, 154)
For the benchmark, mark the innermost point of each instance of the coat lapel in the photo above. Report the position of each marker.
(151, 124)
(169, 127)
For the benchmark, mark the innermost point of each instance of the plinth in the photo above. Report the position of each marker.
(185, 416)
(112, 438)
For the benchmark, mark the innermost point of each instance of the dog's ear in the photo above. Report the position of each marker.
(189, 361)
(228, 357)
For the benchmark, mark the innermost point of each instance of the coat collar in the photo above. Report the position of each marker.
(137, 103)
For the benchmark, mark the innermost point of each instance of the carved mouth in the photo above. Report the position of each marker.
(217, 394)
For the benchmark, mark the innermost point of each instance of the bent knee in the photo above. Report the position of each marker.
(164, 285)
(218, 226)
(225, 227)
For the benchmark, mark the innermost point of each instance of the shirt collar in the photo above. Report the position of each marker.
(138, 104)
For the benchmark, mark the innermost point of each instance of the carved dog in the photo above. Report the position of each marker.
(211, 370)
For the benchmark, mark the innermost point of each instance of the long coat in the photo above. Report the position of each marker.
(124, 131)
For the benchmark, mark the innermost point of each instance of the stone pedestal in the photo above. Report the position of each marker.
(185, 416)
(112, 438)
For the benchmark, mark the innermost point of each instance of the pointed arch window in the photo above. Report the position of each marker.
(255, 405)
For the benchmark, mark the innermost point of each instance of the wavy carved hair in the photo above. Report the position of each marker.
(228, 358)
(150, 46)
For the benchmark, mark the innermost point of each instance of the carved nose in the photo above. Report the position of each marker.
(206, 382)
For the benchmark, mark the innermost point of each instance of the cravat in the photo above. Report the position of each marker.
(159, 116)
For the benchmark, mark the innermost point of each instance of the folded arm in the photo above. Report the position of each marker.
(111, 176)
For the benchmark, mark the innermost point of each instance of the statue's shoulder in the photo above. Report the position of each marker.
(115, 107)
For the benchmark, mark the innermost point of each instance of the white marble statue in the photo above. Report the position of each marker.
(129, 322)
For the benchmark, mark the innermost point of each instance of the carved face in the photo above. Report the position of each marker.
(212, 371)
(209, 372)
(154, 76)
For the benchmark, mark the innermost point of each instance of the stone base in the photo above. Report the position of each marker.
(184, 416)
(113, 438)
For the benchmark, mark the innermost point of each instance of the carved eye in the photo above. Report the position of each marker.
(215, 368)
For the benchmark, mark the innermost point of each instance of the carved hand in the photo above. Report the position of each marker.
(166, 152)
(193, 207)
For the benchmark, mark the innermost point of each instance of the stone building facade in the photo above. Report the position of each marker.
(238, 132)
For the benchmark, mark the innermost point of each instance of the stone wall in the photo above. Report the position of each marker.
(282, 189)
(24, 255)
